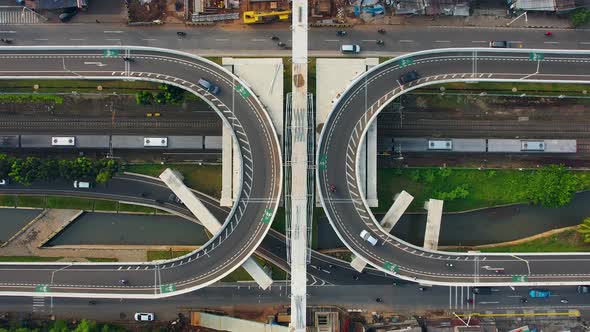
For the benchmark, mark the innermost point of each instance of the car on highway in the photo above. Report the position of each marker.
(409, 77)
(350, 48)
(144, 316)
(82, 184)
(482, 290)
(539, 293)
(583, 289)
(367, 237)
(210, 87)
(498, 44)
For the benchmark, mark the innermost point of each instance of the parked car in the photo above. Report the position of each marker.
(539, 293)
(350, 49)
(498, 44)
(367, 237)
(409, 77)
(583, 289)
(3, 182)
(212, 88)
(144, 316)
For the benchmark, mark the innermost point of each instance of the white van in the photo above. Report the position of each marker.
(82, 184)
(367, 237)
(350, 49)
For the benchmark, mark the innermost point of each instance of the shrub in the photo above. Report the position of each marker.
(580, 17)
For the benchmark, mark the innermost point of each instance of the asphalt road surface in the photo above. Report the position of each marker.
(348, 213)
(243, 231)
(211, 41)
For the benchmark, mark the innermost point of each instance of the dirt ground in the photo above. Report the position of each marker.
(154, 10)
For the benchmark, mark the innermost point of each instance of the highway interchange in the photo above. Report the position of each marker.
(146, 279)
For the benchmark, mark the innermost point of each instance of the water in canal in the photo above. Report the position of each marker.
(12, 220)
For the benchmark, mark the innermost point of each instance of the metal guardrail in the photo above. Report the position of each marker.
(288, 175)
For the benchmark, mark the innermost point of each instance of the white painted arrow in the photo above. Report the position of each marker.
(100, 64)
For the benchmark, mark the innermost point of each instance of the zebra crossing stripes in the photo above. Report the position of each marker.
(38, 304)
(18, 15)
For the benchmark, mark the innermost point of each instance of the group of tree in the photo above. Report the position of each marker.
(168, 94)
(31, 169)
(580, 17)
(457, 193)
(552, 186)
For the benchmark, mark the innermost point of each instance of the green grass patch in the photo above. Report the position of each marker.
(204, 178)
(101, 205)
(287, 74)
(238, 274)
(136, 208)
(7, 200)
(31, 201)
(48, 86)
(28, 259)
(55, 202)
(156, 255)
(311, 76)
(568, 241)
(506, 87)
(31, 98)
(215, 59)
(101, 260)
(485, 188)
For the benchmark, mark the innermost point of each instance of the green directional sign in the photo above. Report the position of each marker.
(323, 162)
(391, 267)
(536, 56)
(520, 278)
(168, 288)
(111, 53)
(406, 62)
(242, 91)
(42, 288)
(267, 216)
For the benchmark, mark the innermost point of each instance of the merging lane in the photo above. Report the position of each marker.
(359, 105)
(249, 220)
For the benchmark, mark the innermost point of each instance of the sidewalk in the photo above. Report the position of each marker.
(535, 20)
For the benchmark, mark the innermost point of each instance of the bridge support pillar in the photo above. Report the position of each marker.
(433, 220)
(395, 212)
(174, 181)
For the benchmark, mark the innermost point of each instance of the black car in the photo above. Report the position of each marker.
(67, 15)
(498, 44)
(409, 77)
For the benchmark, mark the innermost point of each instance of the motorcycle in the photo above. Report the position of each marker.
(281, 44)
(380, 42)
(548, 34)
(6, 40)
(381, 31)
(181, 34)
(341, 33)
(274, 38)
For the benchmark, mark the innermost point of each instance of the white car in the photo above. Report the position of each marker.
(3, 182)
(367, 237)
(144, 316)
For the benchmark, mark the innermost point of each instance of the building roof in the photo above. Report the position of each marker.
(535, 5)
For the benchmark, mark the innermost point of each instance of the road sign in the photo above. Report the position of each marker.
(406, 62)
(242, 91)
(168, 288)
(111, 53)
(520, 278)
(391, 267)
(267, 216)
(323, 161)
(42, 288)
(536, 56)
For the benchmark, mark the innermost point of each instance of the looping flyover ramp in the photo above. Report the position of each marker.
(338, 165)
(250, 217)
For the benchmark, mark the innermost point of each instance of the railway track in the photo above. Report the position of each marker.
(484, 128)
(102, 123)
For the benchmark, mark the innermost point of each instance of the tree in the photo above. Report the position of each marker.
(580, 17)
(25, 171)
(172, 94)
(552, 186)
(5, 165)
(144, 97)
(584, 230)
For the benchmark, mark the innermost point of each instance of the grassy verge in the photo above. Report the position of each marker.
(31, 98)
(568, 241)
(28, 259)
(278, 224)
(489, 87)
(55, 202)
(47, 86)
(239, 274)
(7, 200)
(136, 208)
(100, 205)
(287, 76)
(156, 255)
(31, 201)
(486, 188)
(101, 260)
(204, 178)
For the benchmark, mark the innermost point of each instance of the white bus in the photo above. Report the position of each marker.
(63, 141)
(155, 141)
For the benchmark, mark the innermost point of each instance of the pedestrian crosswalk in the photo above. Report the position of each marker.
(18, 15)
(461, 298)
(38, 304)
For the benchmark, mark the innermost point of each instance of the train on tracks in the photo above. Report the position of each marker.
(476, 145)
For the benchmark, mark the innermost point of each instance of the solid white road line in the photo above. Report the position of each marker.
(258, 40)
(221, 40)
(551, 42)
(332, 40)
(369, 40)
(149, 39)
(11, 31)
(406, 41)
(443, 41)
(480, 41)
(117, 31)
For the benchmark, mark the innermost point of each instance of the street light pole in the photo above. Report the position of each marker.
(521, 15)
